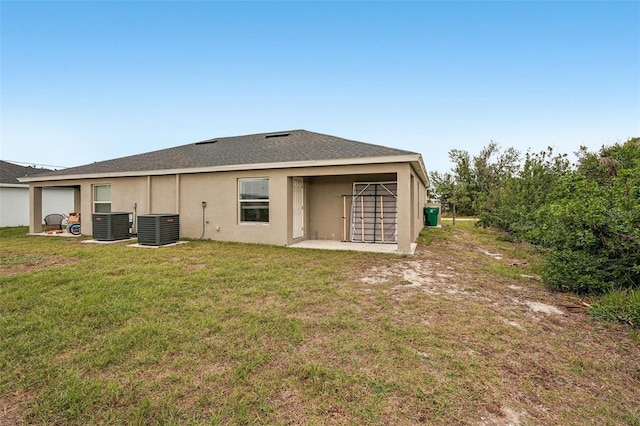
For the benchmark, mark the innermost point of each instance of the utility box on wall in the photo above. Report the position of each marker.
(110, 226)
(158, 229)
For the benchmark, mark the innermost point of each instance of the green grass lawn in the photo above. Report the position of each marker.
(222, 333)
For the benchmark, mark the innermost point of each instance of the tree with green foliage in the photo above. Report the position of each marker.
(585, 216)
(592, 223)
(512, 204)
(472, 179)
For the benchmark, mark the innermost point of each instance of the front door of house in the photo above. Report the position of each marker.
(298, 208)
(374, 212)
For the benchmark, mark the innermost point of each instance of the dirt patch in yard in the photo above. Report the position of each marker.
(15, 265)
(13, 408)
(548, 361)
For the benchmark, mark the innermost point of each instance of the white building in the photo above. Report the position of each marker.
(14, 196)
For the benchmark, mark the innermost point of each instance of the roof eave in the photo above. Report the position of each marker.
(13, 185)
(421, 170)
(415, 159)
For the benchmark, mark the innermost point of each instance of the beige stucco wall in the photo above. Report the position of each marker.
(220, 192)
(327, 206)
(129, 191)
(163, 194)
(323, 210)
(421, 196)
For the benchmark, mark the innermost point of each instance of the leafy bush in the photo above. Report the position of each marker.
(576, 271)
(586, 216)
(621, 305)
(513, 206)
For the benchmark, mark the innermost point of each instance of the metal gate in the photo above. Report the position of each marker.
(374, 212)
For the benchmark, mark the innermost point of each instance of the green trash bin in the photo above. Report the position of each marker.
(431, 216)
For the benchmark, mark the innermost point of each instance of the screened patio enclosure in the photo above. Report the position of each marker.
(374, 212)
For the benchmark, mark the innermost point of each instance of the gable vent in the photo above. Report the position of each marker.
(277, 135)
(206, 142)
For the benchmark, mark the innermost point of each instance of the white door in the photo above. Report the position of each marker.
(298, 208)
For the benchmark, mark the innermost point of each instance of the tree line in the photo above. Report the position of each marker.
(585, 215)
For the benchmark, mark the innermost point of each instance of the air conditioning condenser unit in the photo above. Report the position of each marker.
(110, 226)
(158, 229)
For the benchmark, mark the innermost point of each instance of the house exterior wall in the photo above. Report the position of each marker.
(127, 192)
(221, 215)
(406, 227)
(327, 206)
(420, 191)
(14, 204)
(219, 220)
(163, 194)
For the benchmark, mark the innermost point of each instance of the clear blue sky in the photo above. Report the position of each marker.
(90, 81)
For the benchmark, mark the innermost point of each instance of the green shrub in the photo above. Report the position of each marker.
(576, 271)
(619, 305)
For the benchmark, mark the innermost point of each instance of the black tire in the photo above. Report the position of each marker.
(74, 229)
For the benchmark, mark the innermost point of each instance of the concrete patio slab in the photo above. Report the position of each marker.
(137, 245)
(54, 234)
(341, 245)
(108, 242)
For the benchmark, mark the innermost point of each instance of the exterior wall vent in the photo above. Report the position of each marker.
(158, 229)
(277, 135)
(110, 226)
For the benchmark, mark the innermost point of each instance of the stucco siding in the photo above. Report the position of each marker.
(163, 194)
(221, 217)
(128, 195)
(421, 193)
(327, 206)
(219, 220)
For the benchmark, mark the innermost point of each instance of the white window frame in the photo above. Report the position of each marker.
(257, 200)
(101, 202)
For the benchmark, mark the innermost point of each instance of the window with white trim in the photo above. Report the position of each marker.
(102, 198)
(253, 200)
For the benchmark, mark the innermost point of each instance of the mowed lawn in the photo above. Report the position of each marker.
(219, 333)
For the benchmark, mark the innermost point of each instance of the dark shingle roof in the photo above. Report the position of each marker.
(279, 147)
(9, 172)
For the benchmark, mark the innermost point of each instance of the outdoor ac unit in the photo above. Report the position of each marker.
(158, 229)
(110, 226)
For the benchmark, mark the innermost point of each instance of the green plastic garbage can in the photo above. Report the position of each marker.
(431, 216)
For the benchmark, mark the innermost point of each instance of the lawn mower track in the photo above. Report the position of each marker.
(555, 354)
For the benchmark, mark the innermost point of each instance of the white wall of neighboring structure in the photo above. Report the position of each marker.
(14, 206)
(14, 203)
(57, 200)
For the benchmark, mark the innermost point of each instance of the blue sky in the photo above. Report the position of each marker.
(90, 81)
